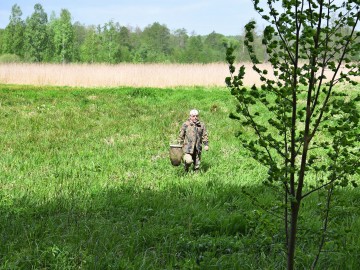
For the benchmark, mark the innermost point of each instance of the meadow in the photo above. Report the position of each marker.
(86, 183)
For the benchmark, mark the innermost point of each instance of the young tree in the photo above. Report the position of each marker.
(194, 52)
(79, 39)
(13, 41)
(125, 37)
(126, 45)
(311, 127)
(179, 39)
(2, 31)
(214, 45)
(63, 37)
(91, 46)
(36, 35)
(111, 43)
(156, 40)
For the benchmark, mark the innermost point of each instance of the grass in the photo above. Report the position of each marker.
(86, 182)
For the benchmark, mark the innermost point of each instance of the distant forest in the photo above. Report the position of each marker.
(55, 39)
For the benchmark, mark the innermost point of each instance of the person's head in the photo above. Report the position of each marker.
(194, 115)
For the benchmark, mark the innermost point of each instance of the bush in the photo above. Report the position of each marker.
(9, 58)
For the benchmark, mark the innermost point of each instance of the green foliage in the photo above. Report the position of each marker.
(64, 41)
(9, 58)
(301, 123)
(13, 36)
(110, 43)
(59, 40)
(214, 46)
(194, 51)
(90, 48)
(63, 37)
(36, 35)
(157, 38)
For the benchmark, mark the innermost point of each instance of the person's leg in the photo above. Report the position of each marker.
(188, 160)
(196, 159)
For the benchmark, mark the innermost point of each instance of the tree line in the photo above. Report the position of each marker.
(55, 39)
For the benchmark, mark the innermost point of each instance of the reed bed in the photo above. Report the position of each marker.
(133, 75)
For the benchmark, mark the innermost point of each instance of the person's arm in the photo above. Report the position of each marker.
(205, 139)
(181, 137)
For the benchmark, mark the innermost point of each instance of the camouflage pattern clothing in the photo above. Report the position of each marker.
(192, 135)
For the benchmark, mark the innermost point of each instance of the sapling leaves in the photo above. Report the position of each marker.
(304, 124)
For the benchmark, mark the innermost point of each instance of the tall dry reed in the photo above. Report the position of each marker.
(135, 75)
(104, 75)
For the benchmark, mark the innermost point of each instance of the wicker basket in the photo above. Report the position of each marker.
(176, 154)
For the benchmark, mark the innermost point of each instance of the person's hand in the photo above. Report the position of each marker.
(206, 148)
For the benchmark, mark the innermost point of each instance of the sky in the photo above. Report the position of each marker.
(200, 17)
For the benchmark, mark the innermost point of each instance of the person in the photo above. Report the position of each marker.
(192, 136)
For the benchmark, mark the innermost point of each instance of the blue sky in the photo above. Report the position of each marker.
(227, 17)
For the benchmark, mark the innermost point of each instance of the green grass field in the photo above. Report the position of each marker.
(86, 183)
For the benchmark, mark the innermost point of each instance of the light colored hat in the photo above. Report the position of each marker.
(194, 112)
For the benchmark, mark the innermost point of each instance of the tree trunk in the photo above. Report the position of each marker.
(295, 206)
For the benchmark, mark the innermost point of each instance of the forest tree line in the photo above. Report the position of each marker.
(55, 39)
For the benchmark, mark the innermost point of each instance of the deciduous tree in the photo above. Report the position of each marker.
(194, 52)
(63, 38)
(36, 35)
(214, 45)
(157, 40)
(13, 39)
(306, 129)
(111, 43)
(90, 47)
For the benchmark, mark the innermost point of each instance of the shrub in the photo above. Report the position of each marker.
(9, 58)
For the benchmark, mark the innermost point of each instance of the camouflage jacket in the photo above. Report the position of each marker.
(192, 136)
